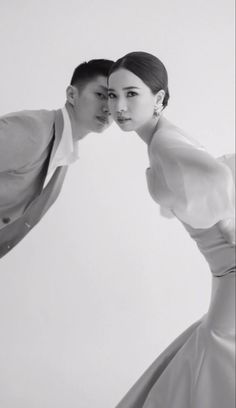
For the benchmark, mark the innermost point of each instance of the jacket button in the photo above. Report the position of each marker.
(6, 220)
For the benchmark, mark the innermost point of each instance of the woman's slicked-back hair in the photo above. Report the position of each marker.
(148, 68)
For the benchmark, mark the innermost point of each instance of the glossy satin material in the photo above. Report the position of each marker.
(198, 369)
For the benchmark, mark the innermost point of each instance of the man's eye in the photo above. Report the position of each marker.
(111, 95)
(131, 94)
(101, 95)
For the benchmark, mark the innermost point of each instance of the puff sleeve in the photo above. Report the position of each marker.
(196, 187)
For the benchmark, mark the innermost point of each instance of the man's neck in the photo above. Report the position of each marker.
(78, 132)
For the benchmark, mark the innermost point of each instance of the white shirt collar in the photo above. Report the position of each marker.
(67, 150)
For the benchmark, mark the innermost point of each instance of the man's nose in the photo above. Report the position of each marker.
(105, 109)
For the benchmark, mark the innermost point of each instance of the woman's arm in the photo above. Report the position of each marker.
(227, 228)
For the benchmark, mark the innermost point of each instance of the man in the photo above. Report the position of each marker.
(36, 148)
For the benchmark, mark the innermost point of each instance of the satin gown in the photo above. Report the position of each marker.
(198, 369)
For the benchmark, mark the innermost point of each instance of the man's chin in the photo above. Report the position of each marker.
(101, 126)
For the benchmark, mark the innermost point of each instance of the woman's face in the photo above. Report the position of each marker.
(131, 101)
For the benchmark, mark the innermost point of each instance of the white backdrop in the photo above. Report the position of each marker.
(103, 284)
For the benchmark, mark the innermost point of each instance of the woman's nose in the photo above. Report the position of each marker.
(121, 106)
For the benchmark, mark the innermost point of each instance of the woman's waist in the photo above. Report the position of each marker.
(219, 253)
(220, 257)
(221, 313)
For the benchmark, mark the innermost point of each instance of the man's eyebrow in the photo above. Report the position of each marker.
(104, 88)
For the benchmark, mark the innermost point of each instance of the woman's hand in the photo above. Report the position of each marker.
(227, 228)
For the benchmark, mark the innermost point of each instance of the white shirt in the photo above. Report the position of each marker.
(67, 150)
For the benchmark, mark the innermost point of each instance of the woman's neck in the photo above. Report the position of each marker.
(147, 131)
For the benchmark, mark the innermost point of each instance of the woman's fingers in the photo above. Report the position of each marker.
(227, 228)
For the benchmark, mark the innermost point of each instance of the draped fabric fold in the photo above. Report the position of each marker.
(198, 369)
(197, 188)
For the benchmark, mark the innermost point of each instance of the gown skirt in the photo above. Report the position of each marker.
(198, 369)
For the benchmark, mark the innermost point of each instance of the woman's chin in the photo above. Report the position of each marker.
(126, 126)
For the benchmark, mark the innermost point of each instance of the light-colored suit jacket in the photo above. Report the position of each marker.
(28, 141)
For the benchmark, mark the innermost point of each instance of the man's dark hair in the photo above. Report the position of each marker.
(88, 71)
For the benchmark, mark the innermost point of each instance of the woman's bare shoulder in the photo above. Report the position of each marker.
(168, 135)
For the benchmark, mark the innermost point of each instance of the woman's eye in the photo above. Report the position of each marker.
(111, 95)
(131, 94)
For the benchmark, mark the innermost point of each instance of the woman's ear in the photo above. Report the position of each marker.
(71, 94)
(160, 97)
(158, 107)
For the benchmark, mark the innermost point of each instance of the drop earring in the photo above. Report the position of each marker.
(157, 110)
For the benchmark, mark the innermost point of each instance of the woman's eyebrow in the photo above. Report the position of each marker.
(130, 87)
(124, 89)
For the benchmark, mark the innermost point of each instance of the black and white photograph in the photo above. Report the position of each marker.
(117, 204)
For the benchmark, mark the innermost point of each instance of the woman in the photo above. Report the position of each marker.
(198, 369)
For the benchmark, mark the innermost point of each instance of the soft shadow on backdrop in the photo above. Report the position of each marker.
(103, 284)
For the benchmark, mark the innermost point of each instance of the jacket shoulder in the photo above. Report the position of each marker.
(24, 136)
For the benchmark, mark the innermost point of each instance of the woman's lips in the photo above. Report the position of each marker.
(123, 120)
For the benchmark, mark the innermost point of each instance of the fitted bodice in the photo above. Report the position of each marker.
(196, 188)
(219, 254)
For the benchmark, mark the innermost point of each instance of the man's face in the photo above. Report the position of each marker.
(91, 113)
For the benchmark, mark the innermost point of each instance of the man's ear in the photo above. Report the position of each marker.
(71, 94)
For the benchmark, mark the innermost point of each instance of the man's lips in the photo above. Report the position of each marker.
(103, 119)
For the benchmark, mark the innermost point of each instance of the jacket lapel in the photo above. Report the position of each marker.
(58, 129)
